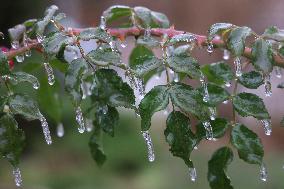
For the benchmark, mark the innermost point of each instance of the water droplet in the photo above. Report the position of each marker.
(266, 126)
(206, 93)
(213, 112)
(103, 23)
(28, 53)
(226, 55)
(176, 77)
(50, 74)
(225, 102)
(228, 84)
(36, 85)
(80, 120)
(45, 130)
(86, 89)
(17, 176)
(208, 129)
(60, 130)
(147, 33)
(150, 148)
(20, 58)
(267, 86)
(89, 125)
(2, 35)
(278, 72)
(192, 174)
(104, 109)
(39, 38)
(238, 66)
(210, 47)
(195, 148)
(263, 172)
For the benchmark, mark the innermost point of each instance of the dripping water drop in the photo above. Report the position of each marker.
(226, 55)
(192, 174)
(267, 85)
(17, 176)
(45, 130)
(149, 144)
(208, 129)
(60, 130)
(50, 75)
(80, 120)
(267, 126)
(263, 172)
(238, 66)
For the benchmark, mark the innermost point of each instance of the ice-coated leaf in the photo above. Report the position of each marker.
(262, 56)
(274, 33)
(110, 89)
(217, 168)
(251, 80)
(148, 41)
(19, 77)
(180, 137)
(155, 100)
(181, 38)
(217, 94)
(217, 29)
(95, 144)
(12, 139)
(144, 15)
(159, 20)
(248, 104)
(248, 144)
(54, 43)
(95, 33)
(49, 13)
(116, 12)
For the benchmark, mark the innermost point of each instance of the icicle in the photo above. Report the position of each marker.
(80, 120)
(225, 102)
(192, 174)
(89, 125)
(208, 129)
(205, 88)
(15, 45)
(50, 74)
(238, 66)
(228, 84)
(86, 89)
(226, 55)
(266, 126)
(103, 23)
(17, 176)
(150, 148)
(147, 33)
(263, 172)
(210, 47)
(60, 130)
(28, 53)
(267, 85)
(278, 72)
(45, 130)
(212, 111)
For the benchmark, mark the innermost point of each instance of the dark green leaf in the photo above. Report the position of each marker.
(73, 76)
(248, 144)
(217, 167)
(219, 72)
(247, 104)
(12, 139)
(217, 29)
(262, 56)
(180, 137)
(236, 40)
(95, 145)
(95, 33)
(217, 94)
(251, 80)
(116, 12)
(110, 89)
(155, 100)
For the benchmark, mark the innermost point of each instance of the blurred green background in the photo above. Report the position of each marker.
(68, 163)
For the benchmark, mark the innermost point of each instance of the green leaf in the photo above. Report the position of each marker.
(219, 73)
(180, 137)
(236, 40)
(110, 89)
(219, 128)
(95, 33)
(217, 94)
(247, 104)
(217, 167)
(116, 12)
(155, 100)
(30, 23)
(181, 38)
(188, 100)
(251, 80)
(142, 61)
(49, 13)
(12, 140)
(248, 144)
(183, 63)
(262, 56)
(73, 76)
(24, 106)
(4, 66)
(274, 33)
(54, 43)
(160, 20)
(106, 118)
(144, 15)
(217, 29)
(104, 55)
(19, 77)
(96, 148)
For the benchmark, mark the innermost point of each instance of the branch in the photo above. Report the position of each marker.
(122, 33)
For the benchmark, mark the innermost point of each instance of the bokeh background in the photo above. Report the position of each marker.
(68, 163)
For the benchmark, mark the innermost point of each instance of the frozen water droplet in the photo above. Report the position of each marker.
(267, 85)
(238, 66)
(263, 172)
(17, 176)
(176, 77)
(192, 174)
(226, 55)
(104, 109)
(210, 47)
(45, 130)
(15, 45)
(86, 89)
(266, 126)
(60, 130)
(150, 148)
(20, 58)
(36, 85)
(147, 33)
(89, 125)
(212, 111)
(28, 53)
(208, 129)
(278, 72)
(103, 23)
(225, 102)
(50, 74)
(80, 120)
(228, 84)
(195, 148)
(206, 93)
(39, 38)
